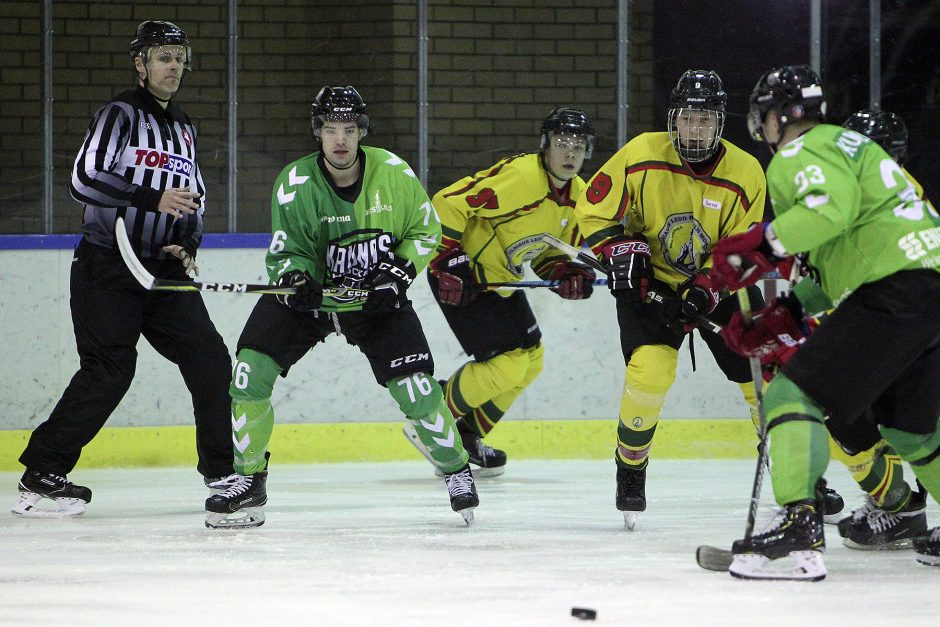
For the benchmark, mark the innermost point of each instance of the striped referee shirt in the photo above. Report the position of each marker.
(132, 152)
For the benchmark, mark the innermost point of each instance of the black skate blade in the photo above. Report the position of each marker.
(713, 558)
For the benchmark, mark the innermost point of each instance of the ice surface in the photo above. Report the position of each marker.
(377, 544)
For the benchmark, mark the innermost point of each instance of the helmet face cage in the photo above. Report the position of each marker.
(338, 104)
(567, 121)
(153, 34)
(793, 91)
(696, 118)
(885, 128)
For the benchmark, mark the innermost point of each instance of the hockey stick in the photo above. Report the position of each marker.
(150, 282)
(530, 284)
(578, 255)
(714, 558)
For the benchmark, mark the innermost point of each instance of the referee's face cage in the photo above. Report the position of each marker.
(338, 104)
(162, 41)
(883, 127)
(794, 91)
(566, 128)
(696, 117)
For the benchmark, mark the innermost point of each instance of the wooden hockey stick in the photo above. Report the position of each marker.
(150, 282)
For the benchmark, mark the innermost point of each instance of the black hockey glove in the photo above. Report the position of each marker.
(630, 265)
(389, 280)
(695, 298)
(309, 294)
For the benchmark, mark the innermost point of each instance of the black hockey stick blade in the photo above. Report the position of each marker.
(530, 284)
(573, 253)
(713, 558)
(149, 282)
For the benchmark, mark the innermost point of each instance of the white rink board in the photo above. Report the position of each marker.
(377, 544)
(582, 378)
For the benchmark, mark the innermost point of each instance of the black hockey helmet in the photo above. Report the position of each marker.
(885, 128)
(794, 91)
(154, 33)
(697, 90)
(338, 104)
(571, 121)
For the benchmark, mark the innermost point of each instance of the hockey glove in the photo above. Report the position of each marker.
(389, 279)
(774, 335)
(576, 281)
(696, 298)
(308, 295)
(630, 266)
(455, 282)
(741, 260)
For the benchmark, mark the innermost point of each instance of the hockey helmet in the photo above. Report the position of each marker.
(569, 121)
(153, 33)
(701, 91)
(338, 104)
(883, 127)
(794, 91)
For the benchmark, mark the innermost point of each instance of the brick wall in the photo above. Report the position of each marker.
(496, 69)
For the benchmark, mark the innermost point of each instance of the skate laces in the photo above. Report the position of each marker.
(240, 485)
(459, 483)
(867, 508)
(881, 520)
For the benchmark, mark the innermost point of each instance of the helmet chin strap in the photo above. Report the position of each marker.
(552, 172)
(354, 162)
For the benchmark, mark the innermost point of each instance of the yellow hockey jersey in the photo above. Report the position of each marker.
(498, 215)
(645, 188)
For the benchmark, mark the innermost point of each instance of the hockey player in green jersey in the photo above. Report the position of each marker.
(869, 244)
(892, 513)
(492, 223)
(355, 217)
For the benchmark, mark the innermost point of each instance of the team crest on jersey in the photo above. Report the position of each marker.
(522, 251)
(684, 242)
(187, 137)
(350, 258)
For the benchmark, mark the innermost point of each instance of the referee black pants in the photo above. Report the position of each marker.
(110, 311)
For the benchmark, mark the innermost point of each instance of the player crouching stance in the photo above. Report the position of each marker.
(348, 216)
(846, 206)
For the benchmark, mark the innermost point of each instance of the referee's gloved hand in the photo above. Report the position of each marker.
(308, 294)
(389, 281)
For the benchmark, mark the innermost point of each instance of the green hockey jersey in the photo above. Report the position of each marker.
(840, 198)
(338, 242)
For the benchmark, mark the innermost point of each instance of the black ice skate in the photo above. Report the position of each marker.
(463, 492)
(878, 529)
(631, 494)
(796, 532)
(69, 499)
(239, 505)
(489, 461)
(927, 548)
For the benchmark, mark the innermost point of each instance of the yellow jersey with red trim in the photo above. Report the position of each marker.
(645, 188)
(499, 214)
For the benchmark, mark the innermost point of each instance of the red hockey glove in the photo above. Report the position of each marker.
(630, 266)
(455, 283)
(741, 260)
(773, 336)
(695, 298)
(576, 280)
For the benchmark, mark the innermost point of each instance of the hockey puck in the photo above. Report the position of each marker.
(584, 613)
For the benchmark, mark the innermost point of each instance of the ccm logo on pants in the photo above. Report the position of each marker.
(409, 359)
